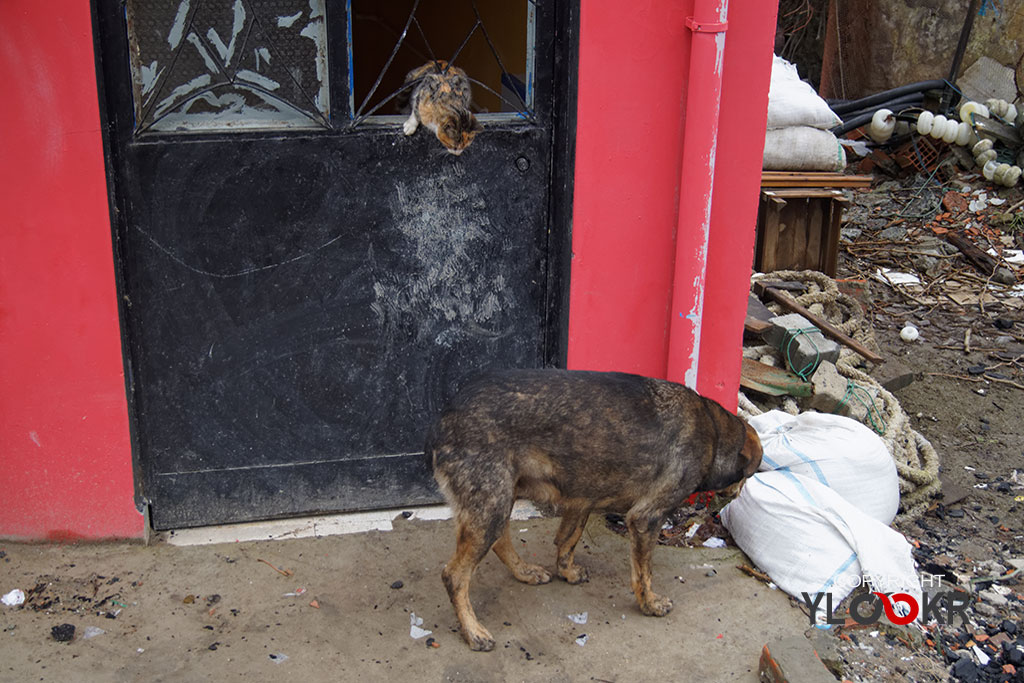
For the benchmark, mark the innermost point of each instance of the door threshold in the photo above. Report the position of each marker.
(323, 525)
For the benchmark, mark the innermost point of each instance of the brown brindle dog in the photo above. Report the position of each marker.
(580, 441)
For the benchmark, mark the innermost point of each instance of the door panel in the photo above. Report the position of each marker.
(298, 305)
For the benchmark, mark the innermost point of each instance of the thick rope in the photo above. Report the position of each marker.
(917, 462)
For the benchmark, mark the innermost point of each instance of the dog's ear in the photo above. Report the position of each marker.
(751, 451)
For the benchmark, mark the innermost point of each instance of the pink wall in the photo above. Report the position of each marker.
(629, 142)
(65, 461)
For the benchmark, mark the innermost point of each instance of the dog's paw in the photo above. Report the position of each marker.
(656, 606)
(574, 574)
(480, 640)
(533, 574)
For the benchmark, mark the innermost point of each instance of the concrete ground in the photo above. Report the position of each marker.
(227, 611)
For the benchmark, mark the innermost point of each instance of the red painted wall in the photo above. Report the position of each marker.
(65, 461)
(632, 85)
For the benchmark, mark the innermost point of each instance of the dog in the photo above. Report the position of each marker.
(580, 442)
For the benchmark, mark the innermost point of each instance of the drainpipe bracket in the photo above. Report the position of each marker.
(706, 26)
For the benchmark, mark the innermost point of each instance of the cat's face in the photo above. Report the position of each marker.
(458, 131)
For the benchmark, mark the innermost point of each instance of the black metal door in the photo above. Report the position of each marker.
(302, 285)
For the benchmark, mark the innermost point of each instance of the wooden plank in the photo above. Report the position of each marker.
(770, 246)
(815, 229)
(802, 193)
(831, 245)
(772, 381)
(811, 179)
(755, 326)
(800, 222)
(825, 326)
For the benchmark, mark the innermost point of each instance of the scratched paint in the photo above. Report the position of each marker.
(698, 180)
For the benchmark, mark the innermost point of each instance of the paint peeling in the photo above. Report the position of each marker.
(257, 79)
(227, 52)
(211, 65)
(150, 76)
(35, 439)
(288, 22)
(178, 26)
(183, 90)
(262, 56)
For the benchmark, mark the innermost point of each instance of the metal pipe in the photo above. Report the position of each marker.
(696, 182)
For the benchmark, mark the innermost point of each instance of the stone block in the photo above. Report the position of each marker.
(801, 343)
(792, 660)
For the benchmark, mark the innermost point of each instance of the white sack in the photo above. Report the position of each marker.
(808, 539)
(802, 148)
(793, 102)
(836, 451)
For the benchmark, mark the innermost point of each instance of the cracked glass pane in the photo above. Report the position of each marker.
(491, 40)
(216, 65)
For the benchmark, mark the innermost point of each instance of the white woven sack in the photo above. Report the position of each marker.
(836, 451)
(793, 102)
(802, 148)
(808, 539)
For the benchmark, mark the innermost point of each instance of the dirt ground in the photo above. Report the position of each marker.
(220, 612)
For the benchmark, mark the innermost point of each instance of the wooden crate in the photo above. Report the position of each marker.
(798, 229)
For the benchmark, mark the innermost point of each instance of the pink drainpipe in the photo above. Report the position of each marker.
(697, 177)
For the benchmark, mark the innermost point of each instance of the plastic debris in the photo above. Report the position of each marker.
(14, 598)
(714, 542)
(92, 632)
(415, 627)
(580, 618)
(894, 277)
(909, 333)
(581, 639)
(278, 658)
(296, 593)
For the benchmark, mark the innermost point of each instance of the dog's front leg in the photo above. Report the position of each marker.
(643, 535)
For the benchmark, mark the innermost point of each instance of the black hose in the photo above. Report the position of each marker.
(848, 125)
(897, 105)
(842, 106)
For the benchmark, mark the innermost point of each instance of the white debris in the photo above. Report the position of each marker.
(580, 618)
(92, 632)
(714, 542)
(14, 598)
(582, 640)
(894, 277)
(415, 630)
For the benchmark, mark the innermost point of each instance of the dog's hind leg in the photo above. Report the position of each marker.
(574, 519)
(527, 573)
(643, 529)
(470, 547)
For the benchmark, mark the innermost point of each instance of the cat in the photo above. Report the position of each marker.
(441, 101)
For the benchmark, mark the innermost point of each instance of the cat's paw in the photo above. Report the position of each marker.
(410, 125)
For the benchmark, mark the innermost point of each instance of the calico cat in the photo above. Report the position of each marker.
(441, 101)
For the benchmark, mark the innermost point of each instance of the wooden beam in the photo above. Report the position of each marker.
(811, 179)
(825, 326)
